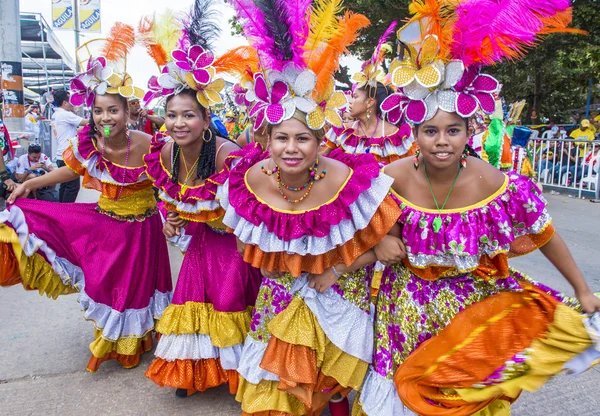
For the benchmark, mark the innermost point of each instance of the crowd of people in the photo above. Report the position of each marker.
(342, 242)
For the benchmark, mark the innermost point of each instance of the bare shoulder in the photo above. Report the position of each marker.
(256, 178)
(488, 178)
(402, 171)
(389, 128)
(165, 154)
(224, 147)
(337, 172)
(140, 140)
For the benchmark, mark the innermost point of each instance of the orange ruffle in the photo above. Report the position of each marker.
(531, 242)
(384, 219)
(9, 266)
(201, 216)
(107, 189)
(477, 342)
(193, 375)
(296, 367)
(127, 361)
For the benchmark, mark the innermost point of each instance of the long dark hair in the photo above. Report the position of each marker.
(379, 92)
(207, 163)
(92, 132)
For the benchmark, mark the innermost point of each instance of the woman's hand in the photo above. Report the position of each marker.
(175, 220)
(271, 275)
(169, 231)
(390, 250)
(21, 191)
(322, 282)
(589, 302)
(10, 185)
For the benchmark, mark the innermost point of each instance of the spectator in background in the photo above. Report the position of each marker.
(32, 126)
(46, 101)
(582, 134)
(143, 120)
(66, 123)
(35, 164)
(547, 155)
(5, 176)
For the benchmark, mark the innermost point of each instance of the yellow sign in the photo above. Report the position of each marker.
(89, 16)
(62, 14)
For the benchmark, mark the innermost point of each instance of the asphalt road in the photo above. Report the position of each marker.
(44, 348)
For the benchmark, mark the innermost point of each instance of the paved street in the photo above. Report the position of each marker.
(44, 348)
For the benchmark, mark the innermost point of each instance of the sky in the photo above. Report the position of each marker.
(140, 65)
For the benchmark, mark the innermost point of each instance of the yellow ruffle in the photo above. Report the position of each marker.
(138, 203)
(123, 346)
(265, 396)
(566, 338)
(297, 325)
(35, 271)
(224, 328)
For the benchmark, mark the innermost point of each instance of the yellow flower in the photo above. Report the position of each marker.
(423, 67)
(326, 110)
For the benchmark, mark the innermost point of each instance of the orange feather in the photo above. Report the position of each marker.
(237, 62)
(328, 62)
(119, 42)
(154, 49)
(440, 16)
(559, 23)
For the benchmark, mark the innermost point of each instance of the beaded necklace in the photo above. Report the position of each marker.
(313, 176)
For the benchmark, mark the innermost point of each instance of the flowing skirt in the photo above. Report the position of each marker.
(468, 345)
(120, 269)
(203, 330)
(305, 346)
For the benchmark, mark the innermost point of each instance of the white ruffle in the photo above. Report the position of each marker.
(197, 347)
(582, 362)
(379, 397)
(91, 166)
(132, 323)
(348, 327)
(70, 274)
(195, 208)
(181, 241)
(387, 150)
(363, 210)
(252, 355)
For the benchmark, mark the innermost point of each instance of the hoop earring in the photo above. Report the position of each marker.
(368, 115)
(416, 159)
(210, 138)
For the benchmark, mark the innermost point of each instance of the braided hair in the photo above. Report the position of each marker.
(207, 163)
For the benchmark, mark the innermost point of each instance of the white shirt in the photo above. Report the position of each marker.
(24, 164)
(66, 124)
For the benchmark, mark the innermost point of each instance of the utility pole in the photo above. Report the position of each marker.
(12, 66)
(76, 28)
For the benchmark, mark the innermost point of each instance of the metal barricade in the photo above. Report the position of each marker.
(567, 163)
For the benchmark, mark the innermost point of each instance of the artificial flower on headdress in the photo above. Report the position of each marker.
(107, 73)
(446, 44)
(371, 72)
(298, 58)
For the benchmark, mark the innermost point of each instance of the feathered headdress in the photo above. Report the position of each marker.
(107, 74)
(159, 35)
(447, 42)
(191, 63)
(371, 72)
(299, 44)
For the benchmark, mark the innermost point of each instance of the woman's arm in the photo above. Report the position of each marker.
(559, 255)
(61, 175)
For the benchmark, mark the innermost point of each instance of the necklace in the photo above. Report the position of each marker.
(188, 172)
(126, 162)
(437, 221)
(365, 130)
(295, 201)
(314, 176)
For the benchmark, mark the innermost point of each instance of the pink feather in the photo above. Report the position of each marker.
(253, 24)
(488, 31)
(298, 13)
(382, 40)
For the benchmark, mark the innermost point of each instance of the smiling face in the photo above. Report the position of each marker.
(442, 139)
(293, 147)
(110, 111)
(185, 119)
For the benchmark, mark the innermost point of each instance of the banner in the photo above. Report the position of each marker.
(89, 15)
(62, 14)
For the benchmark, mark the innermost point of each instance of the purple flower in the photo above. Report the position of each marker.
(475, 88)
(268, 105)
(255, 321)
(196, 60)
(396, 337)
(281, 300)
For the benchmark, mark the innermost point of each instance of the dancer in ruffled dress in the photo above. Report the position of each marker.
(458, 332)
(113, 253)
(203, 330)
(388, 140)
(306, 221)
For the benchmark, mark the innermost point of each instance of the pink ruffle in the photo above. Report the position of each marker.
(517, 210)
(352, 139)
(162, 179)
(87, 149)
(316, 222)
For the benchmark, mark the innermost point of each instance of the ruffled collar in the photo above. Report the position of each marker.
(161, 176)
(315, 222)
(353, 138)
(86, 147)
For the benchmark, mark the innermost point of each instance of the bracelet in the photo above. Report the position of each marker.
(335, 272)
